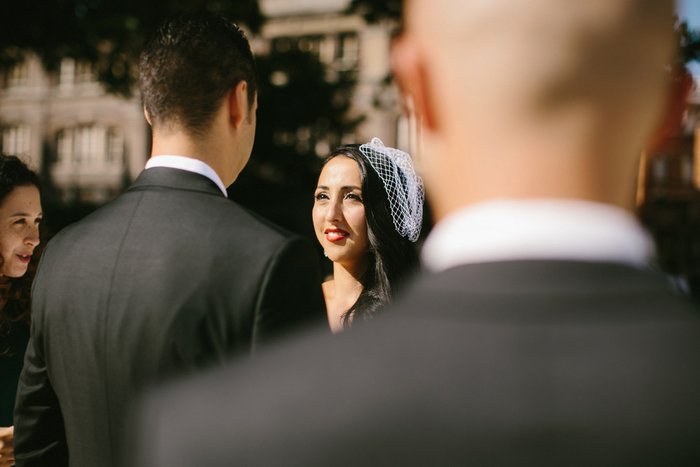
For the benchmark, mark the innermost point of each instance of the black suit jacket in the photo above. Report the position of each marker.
(522, 363)
(169, 277)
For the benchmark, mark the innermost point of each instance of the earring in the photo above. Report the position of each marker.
(325, 254)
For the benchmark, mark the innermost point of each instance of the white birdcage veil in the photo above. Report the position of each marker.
(403, 186)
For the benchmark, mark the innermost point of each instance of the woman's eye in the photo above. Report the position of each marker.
(20, 221)
(321, 196)
(354, 196)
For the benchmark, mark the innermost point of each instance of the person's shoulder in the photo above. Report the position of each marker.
(98, 218)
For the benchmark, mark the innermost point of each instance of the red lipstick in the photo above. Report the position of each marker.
(335, 235)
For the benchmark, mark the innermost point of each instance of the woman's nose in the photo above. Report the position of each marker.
(33, 236)
(334, 212)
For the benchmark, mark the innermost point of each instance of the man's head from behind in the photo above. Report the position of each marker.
(535, 98)
(187, 67)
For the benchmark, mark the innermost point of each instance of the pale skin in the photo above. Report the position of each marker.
(341, 228)
(20, 215)
(227, 144)
(566, 124)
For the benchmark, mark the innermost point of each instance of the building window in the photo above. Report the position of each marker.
(67, 75)
(310, 44)
(85, 72)
(65, 146)
(659, 170)
(115, 146)
(15, 140)
(91, 145)
(327, 48)
(76, 72)
(687, 170)
(349, 51)
(18, 75)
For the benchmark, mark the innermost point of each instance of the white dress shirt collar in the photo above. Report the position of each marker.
(188, 164)
(540, 229)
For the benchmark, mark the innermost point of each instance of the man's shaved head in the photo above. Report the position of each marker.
(548, 53)
(593, 72)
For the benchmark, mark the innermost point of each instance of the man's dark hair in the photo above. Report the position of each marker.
(188, 65)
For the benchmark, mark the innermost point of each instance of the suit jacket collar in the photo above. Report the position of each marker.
(163, 177)
(527, 291)
(548, 277)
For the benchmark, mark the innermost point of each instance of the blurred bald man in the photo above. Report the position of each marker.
(540, 335)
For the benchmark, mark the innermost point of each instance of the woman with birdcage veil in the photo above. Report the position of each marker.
(367, 214)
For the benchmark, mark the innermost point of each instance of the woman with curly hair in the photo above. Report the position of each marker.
(367, 213)
(20, 215)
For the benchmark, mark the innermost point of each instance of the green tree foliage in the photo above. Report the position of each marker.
(689, 49)
(302, 105)
(301, 114)
(108, 33)
(377, 10)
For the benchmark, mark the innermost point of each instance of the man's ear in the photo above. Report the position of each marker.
(410, 72)
(676, 105)
(238, 103)
(145, 113)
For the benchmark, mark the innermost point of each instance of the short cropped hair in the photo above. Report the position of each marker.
(187, 66)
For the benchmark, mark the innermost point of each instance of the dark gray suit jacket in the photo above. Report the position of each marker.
(522, 363)
(169, 277)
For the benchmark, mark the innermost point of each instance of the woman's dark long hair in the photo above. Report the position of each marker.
(392, 259)
(14, 291)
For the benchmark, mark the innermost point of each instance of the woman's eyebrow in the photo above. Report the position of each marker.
(346, 187)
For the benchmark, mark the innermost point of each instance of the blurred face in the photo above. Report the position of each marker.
(20, 213)
(339, 213)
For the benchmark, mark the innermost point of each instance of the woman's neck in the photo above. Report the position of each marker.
(342, 292)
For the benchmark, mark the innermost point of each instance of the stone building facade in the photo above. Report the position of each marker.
(64, 125)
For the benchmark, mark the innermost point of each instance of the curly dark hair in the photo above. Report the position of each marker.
(392, 258)
(14, 292)
(188, 65)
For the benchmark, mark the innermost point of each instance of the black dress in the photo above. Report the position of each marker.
(10, 367)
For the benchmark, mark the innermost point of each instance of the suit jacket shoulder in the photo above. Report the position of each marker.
(524, 363)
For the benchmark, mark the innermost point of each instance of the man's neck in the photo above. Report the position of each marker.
(463, 174)
(180, 144)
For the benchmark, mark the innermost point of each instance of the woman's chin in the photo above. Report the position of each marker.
(347, 261)
(17, 272)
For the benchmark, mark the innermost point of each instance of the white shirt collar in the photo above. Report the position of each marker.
(188, 164)
(540, 229)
